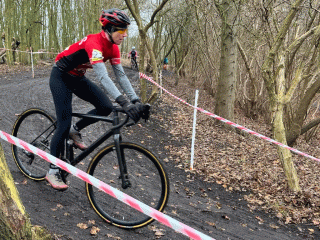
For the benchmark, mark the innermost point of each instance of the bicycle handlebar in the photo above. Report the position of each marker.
(145, 116)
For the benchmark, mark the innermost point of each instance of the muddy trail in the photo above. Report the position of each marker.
(207, 207)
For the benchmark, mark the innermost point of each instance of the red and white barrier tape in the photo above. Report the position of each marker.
(159, 216)
(231, 123)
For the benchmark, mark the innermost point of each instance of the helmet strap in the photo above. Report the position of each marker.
(109, 30)
(108, 35)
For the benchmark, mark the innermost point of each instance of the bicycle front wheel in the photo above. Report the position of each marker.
(34, 126)
(148, 179)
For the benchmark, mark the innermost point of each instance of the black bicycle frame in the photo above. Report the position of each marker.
(115, 132)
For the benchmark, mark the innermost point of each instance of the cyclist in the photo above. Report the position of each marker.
(133, 54)
(67, 77)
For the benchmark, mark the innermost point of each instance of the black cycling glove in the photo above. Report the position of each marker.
(146, 112)
(144, 109)
(129, 108)
(136, 101)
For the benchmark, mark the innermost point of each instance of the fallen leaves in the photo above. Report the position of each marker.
(243, 162)
(260, 219)
(94, 229)
(158, 232)
(225, 217)
(82, 225)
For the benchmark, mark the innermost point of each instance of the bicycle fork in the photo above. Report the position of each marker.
(122, 162)
(120, 154)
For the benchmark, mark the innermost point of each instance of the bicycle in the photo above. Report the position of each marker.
(124, 165)
(134, 64)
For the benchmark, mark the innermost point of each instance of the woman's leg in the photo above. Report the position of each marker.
(62, 97)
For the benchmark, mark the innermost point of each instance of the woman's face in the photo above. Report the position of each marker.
(118, 36)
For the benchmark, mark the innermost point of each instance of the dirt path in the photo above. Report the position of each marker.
(206, 207)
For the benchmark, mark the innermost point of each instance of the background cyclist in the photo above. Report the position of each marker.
(133, 54)
(67, 77)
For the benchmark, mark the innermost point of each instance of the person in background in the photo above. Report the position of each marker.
(133, 54)
(165, 63)
(68, 77)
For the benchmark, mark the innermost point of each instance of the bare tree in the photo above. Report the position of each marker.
(226, 89)
(275, 84)
(145, 44)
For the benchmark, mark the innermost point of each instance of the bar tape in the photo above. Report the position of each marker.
(141, 207)
(231, 123)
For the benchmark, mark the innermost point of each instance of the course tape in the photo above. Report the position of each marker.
(231, 123)
(141, 207)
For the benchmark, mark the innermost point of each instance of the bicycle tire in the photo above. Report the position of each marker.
(149, 184)
(30, 127)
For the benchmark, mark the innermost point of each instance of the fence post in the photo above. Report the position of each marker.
(160, 82)
(194, 128)
(32, 63)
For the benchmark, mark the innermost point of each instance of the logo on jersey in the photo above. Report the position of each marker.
(96, 55)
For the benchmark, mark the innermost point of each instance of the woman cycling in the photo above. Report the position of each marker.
(67, 77)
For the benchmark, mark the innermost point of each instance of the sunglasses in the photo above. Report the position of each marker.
(121, 30)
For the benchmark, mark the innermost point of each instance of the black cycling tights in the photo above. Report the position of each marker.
(62, 86)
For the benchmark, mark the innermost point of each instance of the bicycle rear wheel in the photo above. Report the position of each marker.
(149, 184)
(34, 126)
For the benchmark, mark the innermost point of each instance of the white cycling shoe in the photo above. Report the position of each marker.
(55, 180)
(77, 139)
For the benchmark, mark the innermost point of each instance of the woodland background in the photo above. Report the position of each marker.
(260, 58)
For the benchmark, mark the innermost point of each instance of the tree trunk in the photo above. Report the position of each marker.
(133, 6)
(284, 154)
(279, 132)
(275, 84)
(226, 88)
(14, 223)
(143, 82)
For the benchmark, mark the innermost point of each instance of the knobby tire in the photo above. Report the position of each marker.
(149, 184)
(33, 127)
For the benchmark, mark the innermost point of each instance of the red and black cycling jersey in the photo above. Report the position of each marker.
(133, 53)
(92, 49)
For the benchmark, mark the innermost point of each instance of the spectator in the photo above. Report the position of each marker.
(165, 63)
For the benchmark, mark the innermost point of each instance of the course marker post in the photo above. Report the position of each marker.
(160, 76)
(32, 64)
(194, 128)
